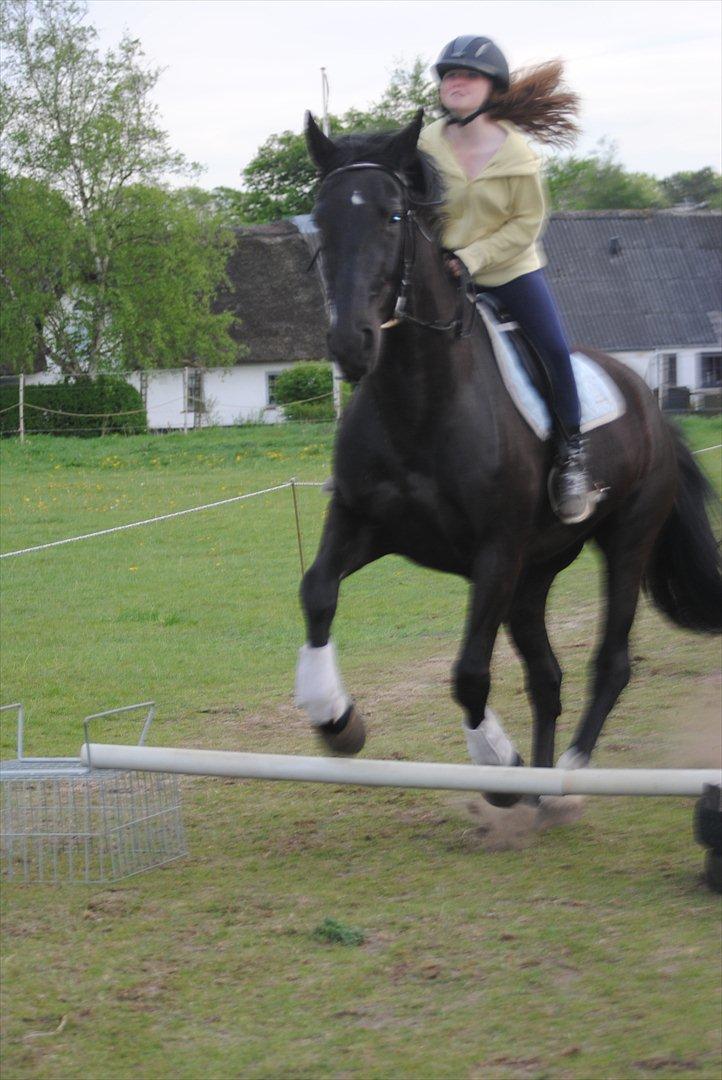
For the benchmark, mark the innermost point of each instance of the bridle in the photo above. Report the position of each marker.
(460, 326)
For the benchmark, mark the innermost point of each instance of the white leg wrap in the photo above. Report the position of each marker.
(573, 759)
(319, 688)
(489, 744)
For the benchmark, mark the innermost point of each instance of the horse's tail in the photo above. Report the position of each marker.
(684, 575)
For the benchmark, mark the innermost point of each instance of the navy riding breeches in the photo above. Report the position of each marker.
(529, 302)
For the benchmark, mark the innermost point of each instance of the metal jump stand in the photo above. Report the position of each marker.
(64, 821)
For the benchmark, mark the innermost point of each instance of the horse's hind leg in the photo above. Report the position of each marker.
(544, 676)
(626, 555)
(347, 544)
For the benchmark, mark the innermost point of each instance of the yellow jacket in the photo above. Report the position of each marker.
(493, 222)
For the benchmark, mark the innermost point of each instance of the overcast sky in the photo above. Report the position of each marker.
(648, 71)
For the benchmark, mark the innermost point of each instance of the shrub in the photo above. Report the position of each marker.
(296, 385)
(104, 398)
(306, 391)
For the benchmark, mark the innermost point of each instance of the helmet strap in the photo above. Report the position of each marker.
(472, 116)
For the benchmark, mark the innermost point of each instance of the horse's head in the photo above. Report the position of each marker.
(368, 183)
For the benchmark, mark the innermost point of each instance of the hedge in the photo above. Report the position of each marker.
(312, 380)
(105, 398)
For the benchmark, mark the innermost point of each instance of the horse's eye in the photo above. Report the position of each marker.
(395, 218)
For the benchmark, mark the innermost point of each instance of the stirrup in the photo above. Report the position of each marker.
(580, 494)
(585, 511)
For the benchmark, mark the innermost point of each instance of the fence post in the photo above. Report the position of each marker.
(185, 400)
(298, 525)
(337, 380)
(21, 407)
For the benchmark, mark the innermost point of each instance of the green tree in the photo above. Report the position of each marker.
(170, 254)
(38, 263)
(702, 187)
(600, 182)
(281, 180)
(84, 124)
(409, 89)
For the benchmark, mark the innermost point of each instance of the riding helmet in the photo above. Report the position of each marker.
(474, 54)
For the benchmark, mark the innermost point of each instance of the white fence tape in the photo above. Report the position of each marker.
(195, 510)
(160, 517)
(704, 449)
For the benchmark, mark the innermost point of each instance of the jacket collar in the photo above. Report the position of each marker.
(513, 158)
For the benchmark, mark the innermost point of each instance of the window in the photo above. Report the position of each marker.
(669, 369)
(194, 395)
(144, 388)
(271, 387)
(711, 370)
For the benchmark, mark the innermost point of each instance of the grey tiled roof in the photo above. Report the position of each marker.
(656, 292)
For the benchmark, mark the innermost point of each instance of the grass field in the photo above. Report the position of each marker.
(587, 951)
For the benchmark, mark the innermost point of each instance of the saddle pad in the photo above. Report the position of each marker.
(599, 397)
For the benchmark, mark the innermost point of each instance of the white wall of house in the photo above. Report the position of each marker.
(233, 395)
(650, 365)
(240, 394)
(163, 397)
(42, 378)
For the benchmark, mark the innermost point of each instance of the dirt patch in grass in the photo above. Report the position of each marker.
(697, 740)
(111, 904)
(149, 991)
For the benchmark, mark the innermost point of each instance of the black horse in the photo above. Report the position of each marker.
(434, 462)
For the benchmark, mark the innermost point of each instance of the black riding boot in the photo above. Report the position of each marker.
(571, 492)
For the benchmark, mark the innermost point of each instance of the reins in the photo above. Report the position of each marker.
(460, 327)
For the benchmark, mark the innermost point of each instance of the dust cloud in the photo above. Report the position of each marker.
(513, 828)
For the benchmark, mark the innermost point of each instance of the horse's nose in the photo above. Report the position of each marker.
(356, 338)
(351, 346)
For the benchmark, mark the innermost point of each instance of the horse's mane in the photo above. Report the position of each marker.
(426, 186)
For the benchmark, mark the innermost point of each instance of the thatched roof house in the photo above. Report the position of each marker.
(626, 281)
(276, 297)
(643, 285)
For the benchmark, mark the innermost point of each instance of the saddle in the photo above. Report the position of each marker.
(527, 380)
(527, 354)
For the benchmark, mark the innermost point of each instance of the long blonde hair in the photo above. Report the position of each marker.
(540, 103)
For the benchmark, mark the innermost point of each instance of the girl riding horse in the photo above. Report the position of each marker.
(495, 213)
(434, 462)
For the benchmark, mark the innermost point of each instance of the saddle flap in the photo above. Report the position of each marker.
(600, 399)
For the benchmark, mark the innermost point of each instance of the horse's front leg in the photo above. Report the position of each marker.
(495, 576)
(348, 543)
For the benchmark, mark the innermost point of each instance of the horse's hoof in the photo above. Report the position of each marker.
(497, 798)
(345, 736)
(713, 870)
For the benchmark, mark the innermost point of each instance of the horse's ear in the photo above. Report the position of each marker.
(403, 145)
(320, 148)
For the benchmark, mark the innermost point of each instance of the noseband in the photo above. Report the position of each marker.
(410, 225)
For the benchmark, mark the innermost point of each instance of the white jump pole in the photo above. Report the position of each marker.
(402, 774)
